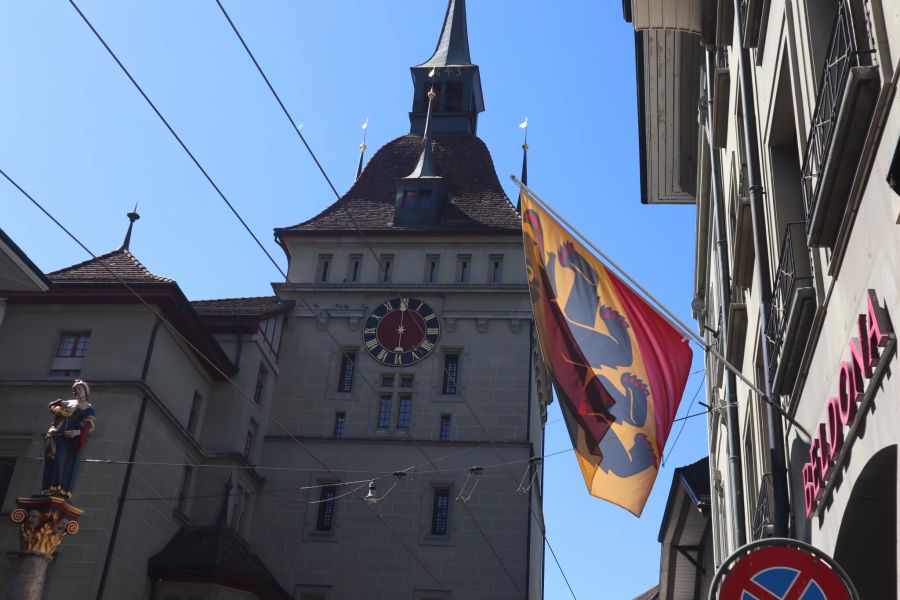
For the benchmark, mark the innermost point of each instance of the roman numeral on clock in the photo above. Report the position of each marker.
(370, 344)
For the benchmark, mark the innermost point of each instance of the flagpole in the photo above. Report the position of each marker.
(666, 313)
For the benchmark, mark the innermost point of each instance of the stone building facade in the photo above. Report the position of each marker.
(824, 120)
(236, 439)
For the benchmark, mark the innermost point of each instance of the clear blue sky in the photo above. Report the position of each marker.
(76, 134)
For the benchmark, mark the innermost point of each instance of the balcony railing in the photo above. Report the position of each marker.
(722, 83)
(844, 99)
(791, 309)
(762, 512)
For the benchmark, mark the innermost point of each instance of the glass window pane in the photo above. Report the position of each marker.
(325, 517)
(440, 511)
(384, 412)
(404, 411)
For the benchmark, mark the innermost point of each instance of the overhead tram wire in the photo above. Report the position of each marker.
(179, 140)
(374, 254)
(172, 329)
(684, 421)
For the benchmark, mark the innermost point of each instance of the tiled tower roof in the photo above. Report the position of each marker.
(477, 201)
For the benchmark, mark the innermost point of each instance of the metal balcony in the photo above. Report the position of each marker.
(844, 106)
(791, 311)
(722, 85)
(737, 326)
(762, 514)
(741, 233)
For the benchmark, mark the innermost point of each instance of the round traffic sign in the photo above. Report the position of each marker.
(781, 569)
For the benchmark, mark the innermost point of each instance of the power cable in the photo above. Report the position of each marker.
(179, 140)
(684, 421)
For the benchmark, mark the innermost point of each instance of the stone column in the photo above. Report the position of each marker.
(44, 521)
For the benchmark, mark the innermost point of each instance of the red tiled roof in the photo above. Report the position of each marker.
(255, 306)
(651, 594)
(121, 262)
(477, 201)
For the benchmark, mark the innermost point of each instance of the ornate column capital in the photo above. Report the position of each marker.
(44, 521)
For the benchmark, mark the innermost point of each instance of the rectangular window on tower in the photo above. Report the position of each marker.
(384, 411)
(425, 199)
(325, 516)
(463, 267)
(386, 262)
(345, 379)
(444, 433)
(354, 267)
(432, 261)
(404, 411)
(451, 373)
(496, 266)
(453, 96)
(340, 420)
(323, 267)
(409, 199)
(440, 511)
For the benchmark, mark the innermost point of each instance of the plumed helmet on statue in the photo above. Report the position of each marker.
(84, 384)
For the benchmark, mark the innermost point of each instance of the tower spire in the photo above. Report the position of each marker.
(453, 78)
(132, 217)
(362, 149)
(453, 44)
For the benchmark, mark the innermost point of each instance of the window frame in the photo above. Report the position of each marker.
(385, 411)
(450, 381)
(432, 268)
(346, 372)
(438, 493)
(404, 411)
(463, 268)
(340, 424)
(261, 375)
(446, 419)
(323, 267)
(79, 344)
(325, 513)
(385, 266)
(495, 269)
(354, 267)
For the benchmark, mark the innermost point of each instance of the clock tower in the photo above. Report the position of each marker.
(410, 361)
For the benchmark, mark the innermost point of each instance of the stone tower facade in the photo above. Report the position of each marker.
(410, 348)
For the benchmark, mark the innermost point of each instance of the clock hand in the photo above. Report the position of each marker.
(400, 331)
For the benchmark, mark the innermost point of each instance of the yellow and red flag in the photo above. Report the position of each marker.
(618, 367)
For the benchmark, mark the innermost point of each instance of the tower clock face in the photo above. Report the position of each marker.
(401, 331)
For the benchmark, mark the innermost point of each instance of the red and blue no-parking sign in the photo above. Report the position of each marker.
(781, 569)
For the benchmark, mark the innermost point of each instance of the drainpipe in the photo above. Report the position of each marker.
(763, 280)
(128, 470)
(735, 467)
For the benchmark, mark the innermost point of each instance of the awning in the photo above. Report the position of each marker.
(675, 15)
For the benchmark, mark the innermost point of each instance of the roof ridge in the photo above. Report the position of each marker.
(235, 298)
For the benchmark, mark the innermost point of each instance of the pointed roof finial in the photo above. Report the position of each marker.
(524, 125)
(132, 217)
(362, 149)
(524, 177)
(222, 521)
(425, 167)
(453, 45)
